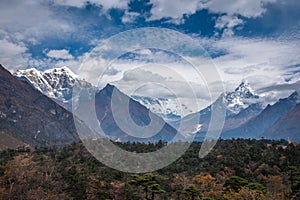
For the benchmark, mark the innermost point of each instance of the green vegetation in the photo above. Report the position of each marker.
(235, 169)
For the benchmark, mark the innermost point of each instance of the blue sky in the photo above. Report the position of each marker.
(257, 40)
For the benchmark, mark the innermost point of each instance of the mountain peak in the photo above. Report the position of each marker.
(295, 97)
(243, 84)
(32, 71)
(240, 98)
(108, 89)
(55, 83)
(61, 70)
(108, 85)
(245, 88)
(294, 94)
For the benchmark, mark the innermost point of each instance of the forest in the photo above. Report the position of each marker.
(234, 169)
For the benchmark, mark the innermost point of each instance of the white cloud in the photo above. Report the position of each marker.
(227, 23)
(140, 75)
(59, 54)
(177, 8)
(106, 4)
(246, 8)
(263, 62)
(108, 51)
(129, 17)
(172, 9)
(13, 56)
(230, 9)
(74, 3)
(164, 82)
(258, 52)
(30, 19)
(25, 23)
(8, 48)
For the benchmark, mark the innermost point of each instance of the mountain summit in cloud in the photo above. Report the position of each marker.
(241, 98)
(234, 102)
(240, 105)
(169, 109)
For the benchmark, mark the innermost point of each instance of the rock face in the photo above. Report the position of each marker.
(287, 127)
(139, 114)
(31, 117)
(243, 116)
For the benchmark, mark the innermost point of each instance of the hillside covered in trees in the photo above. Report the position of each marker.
(235, 169)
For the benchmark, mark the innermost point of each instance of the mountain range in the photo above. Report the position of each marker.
(240, 105)
(57, 84)
(264, 124)
(31, 111)
(246, 117)
(30, 114)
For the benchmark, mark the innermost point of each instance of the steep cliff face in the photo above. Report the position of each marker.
(138, 113)
(287, 127)
(256, 127)
(31, 117)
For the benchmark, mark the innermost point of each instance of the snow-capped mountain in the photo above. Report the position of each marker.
(241, 98)
(240, 105)
(234, 102)
(55, 83)
(169, 109)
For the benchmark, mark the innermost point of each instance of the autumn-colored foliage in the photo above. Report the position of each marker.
(235, 169)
